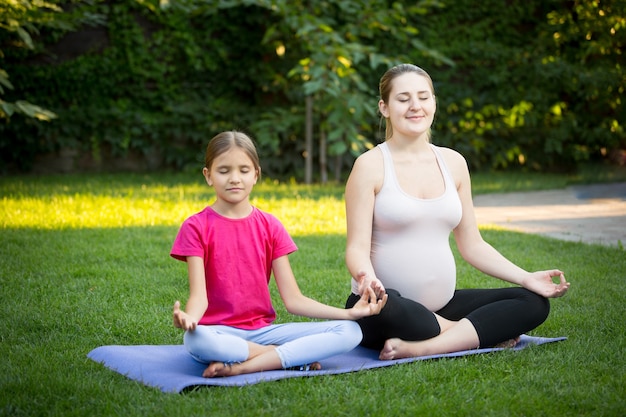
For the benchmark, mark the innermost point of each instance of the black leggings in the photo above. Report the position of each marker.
(497, 315)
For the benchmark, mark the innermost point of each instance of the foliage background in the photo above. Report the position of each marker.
(142, 85)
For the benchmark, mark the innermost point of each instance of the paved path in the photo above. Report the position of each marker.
(589, 213)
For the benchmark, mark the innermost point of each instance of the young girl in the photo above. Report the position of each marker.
(231, 249)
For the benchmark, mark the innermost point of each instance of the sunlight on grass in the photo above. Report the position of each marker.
(81, 211)
(166, 199)
(304, 216)
(301, 209)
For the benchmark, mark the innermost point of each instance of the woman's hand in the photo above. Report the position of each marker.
(182, 320)
(541, 282)
(366, 281)
(369, 304)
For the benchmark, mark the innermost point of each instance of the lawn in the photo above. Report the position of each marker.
(84, 262)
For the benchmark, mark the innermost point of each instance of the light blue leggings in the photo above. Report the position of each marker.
(297, 343)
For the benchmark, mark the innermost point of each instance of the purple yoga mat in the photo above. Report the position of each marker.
(171, 369)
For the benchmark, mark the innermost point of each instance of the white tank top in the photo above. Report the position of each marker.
(410, 238)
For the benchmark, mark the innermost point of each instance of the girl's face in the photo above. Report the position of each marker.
(411, 105)
(233, 175)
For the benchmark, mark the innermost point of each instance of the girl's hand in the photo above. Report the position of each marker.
(541, 282)
(365, 281)
(368, 305)
(182, 319)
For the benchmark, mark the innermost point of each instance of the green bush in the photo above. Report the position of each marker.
(536, 84)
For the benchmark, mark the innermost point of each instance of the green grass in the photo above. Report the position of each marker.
(84, 262)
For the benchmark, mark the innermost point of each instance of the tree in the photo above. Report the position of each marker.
(22, 19)
(341, 42)
(538, 83)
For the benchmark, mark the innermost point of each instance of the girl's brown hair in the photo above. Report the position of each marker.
(385, 85)
(224, 141)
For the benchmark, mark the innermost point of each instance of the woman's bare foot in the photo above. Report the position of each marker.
(460, 336)
(507, 344)
(393, 349)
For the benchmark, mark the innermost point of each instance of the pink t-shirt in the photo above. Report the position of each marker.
(238, 255)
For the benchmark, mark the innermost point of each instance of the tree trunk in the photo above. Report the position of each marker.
(323, 163)
(338, 166)
(308, 139)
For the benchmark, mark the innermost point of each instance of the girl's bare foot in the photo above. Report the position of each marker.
(219, 369)
(314, 366)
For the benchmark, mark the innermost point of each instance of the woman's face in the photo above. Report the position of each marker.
(411, 105)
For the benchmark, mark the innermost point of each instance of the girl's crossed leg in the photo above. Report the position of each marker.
(231, 351)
